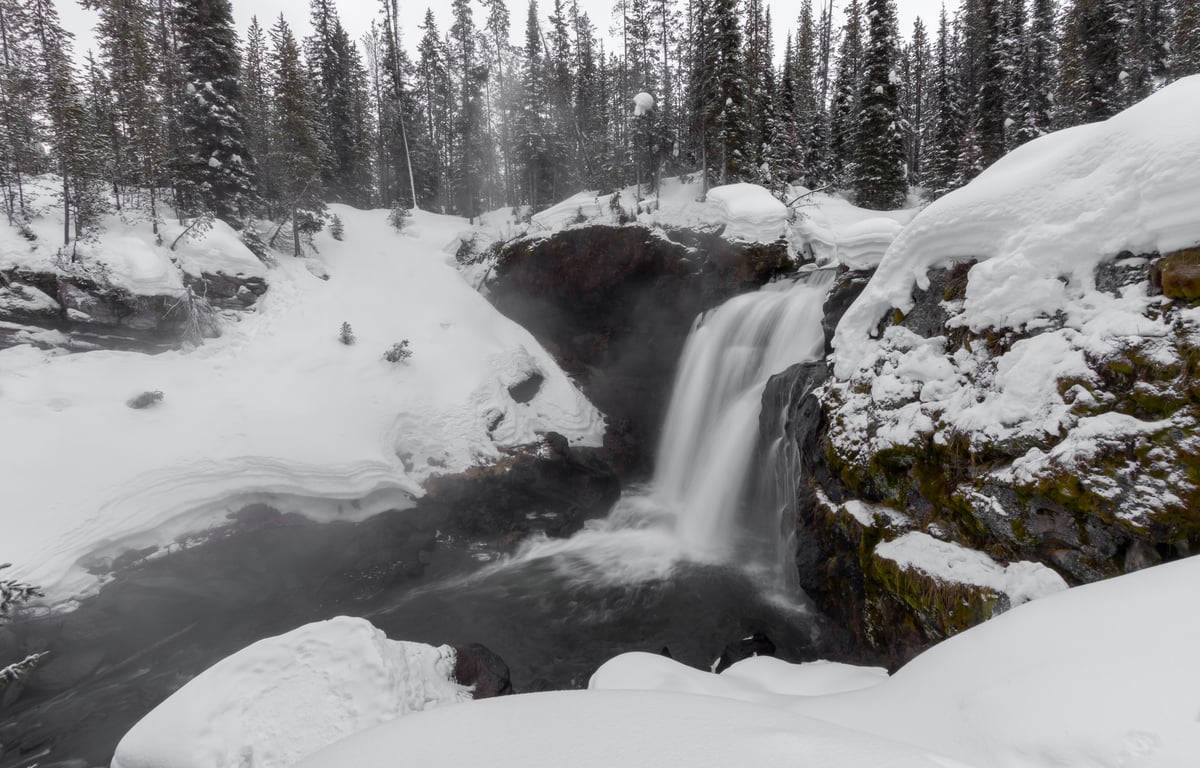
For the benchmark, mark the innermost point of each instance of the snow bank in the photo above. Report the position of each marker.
(1099, 676)
(1043, 217)
(953, 563)
(603, 729)
(835, 231)
(283, 698)
(276, 410)
(750, 212)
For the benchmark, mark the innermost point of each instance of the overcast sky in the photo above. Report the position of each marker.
(356, 16)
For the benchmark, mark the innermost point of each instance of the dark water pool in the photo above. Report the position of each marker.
(157, 625)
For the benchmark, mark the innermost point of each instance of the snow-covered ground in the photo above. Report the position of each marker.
(1100, 676)
(282, 698)
(818, 226)
(276, 406)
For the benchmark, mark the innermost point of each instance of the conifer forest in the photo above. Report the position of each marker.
(178, 113)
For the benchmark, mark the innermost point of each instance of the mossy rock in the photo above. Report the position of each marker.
(1178, 274)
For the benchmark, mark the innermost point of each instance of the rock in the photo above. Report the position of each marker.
(1177, 274)
(845, 289)
(227, 291)
(757, 644)
(526, 390)
(476, 665)
(614, 305)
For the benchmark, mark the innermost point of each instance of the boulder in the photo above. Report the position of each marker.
(757, 644)
(478, 666)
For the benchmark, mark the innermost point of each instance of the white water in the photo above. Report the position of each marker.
(695, 509)
(712, 426)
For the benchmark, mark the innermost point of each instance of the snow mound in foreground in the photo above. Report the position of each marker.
(277, 410)
(1043, 217)
(604, 729)
(282, 698)
(1098, 676)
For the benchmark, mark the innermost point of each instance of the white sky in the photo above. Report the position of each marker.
(356, 16)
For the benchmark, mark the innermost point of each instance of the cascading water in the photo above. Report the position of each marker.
(712, 426)
(700, 506)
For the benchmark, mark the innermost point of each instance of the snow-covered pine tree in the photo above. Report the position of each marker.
(914, 98)
(1013, 51)
(810, 99)
(1091, 44)
(988, 116)
(941, 150)
(590, 115)
(257, 108)
(1185, 39)
(18, 127)
(497, 57)
(216, 166)
(469, 146)
(532, 152)
(432, 85)
(1145, 48)
(1038, 74)
(295, 152)
(844, 111)
(127, 39)
(718, 91)
(880, 180)
(563, 146)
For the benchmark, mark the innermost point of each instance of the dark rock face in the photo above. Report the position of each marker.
(757, 644)
(614, 305)
(476, 665)
(78, 312)
(524, 391)
(554, 490)
(845, 289)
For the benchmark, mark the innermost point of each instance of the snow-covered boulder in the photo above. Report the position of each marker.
(750, 212)
(284, 698)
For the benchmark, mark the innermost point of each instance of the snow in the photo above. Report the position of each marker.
(751, 212)
(642, 103)
(602, 729)
(282, 698)
(949, 562)
(1044, 216)
(1099, 676)
(276, 410)
(823, 226)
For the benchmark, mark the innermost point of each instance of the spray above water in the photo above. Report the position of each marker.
(697, 507)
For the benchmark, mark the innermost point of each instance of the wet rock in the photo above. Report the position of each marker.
(476, 665)
(614, 305)
(227, 291)
(1177, 274)
(526, 390)
(847, 287)
(757, 644)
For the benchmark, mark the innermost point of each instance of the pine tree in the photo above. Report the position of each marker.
(1037, 77)
(1145, 44)
(880, 180)
(718, 91)
(1185, 40)
(17, 114)
(257, 92)
(532, 152)
(844, 113)
(295, 151)
(942, 150)
(216, 166)
(433, 94)
(914, 100)
(1092, 81)
(469, 77)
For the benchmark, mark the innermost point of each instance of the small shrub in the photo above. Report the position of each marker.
(466, 251)
(580, 218)
(253, 240)
(399, 217)
(398, 353)
(336, 228)
(145, 400)
(346, 336)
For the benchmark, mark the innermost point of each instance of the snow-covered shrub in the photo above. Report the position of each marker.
(12, 594)
(398, 353)
(346, 335)
(399, 217)
(145, 400)
(336, 228)
(466, 253)
(253, 240)
(580, 218)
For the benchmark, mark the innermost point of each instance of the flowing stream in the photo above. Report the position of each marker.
(684, 562)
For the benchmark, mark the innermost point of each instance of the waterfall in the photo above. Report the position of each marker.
(712, 425)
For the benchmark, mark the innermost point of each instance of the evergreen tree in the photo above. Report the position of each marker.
(1092, 37)
(1037, 77)
(1185, 41)
(469, 145)
(216, 166)
(18, 127)
(844, 112)
(914, 100)
(532, 151)
(257, 91)
(295, 150)
(433, 94)
(880, 175)
(718, 91)
(1145, 48)
(941, 152)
